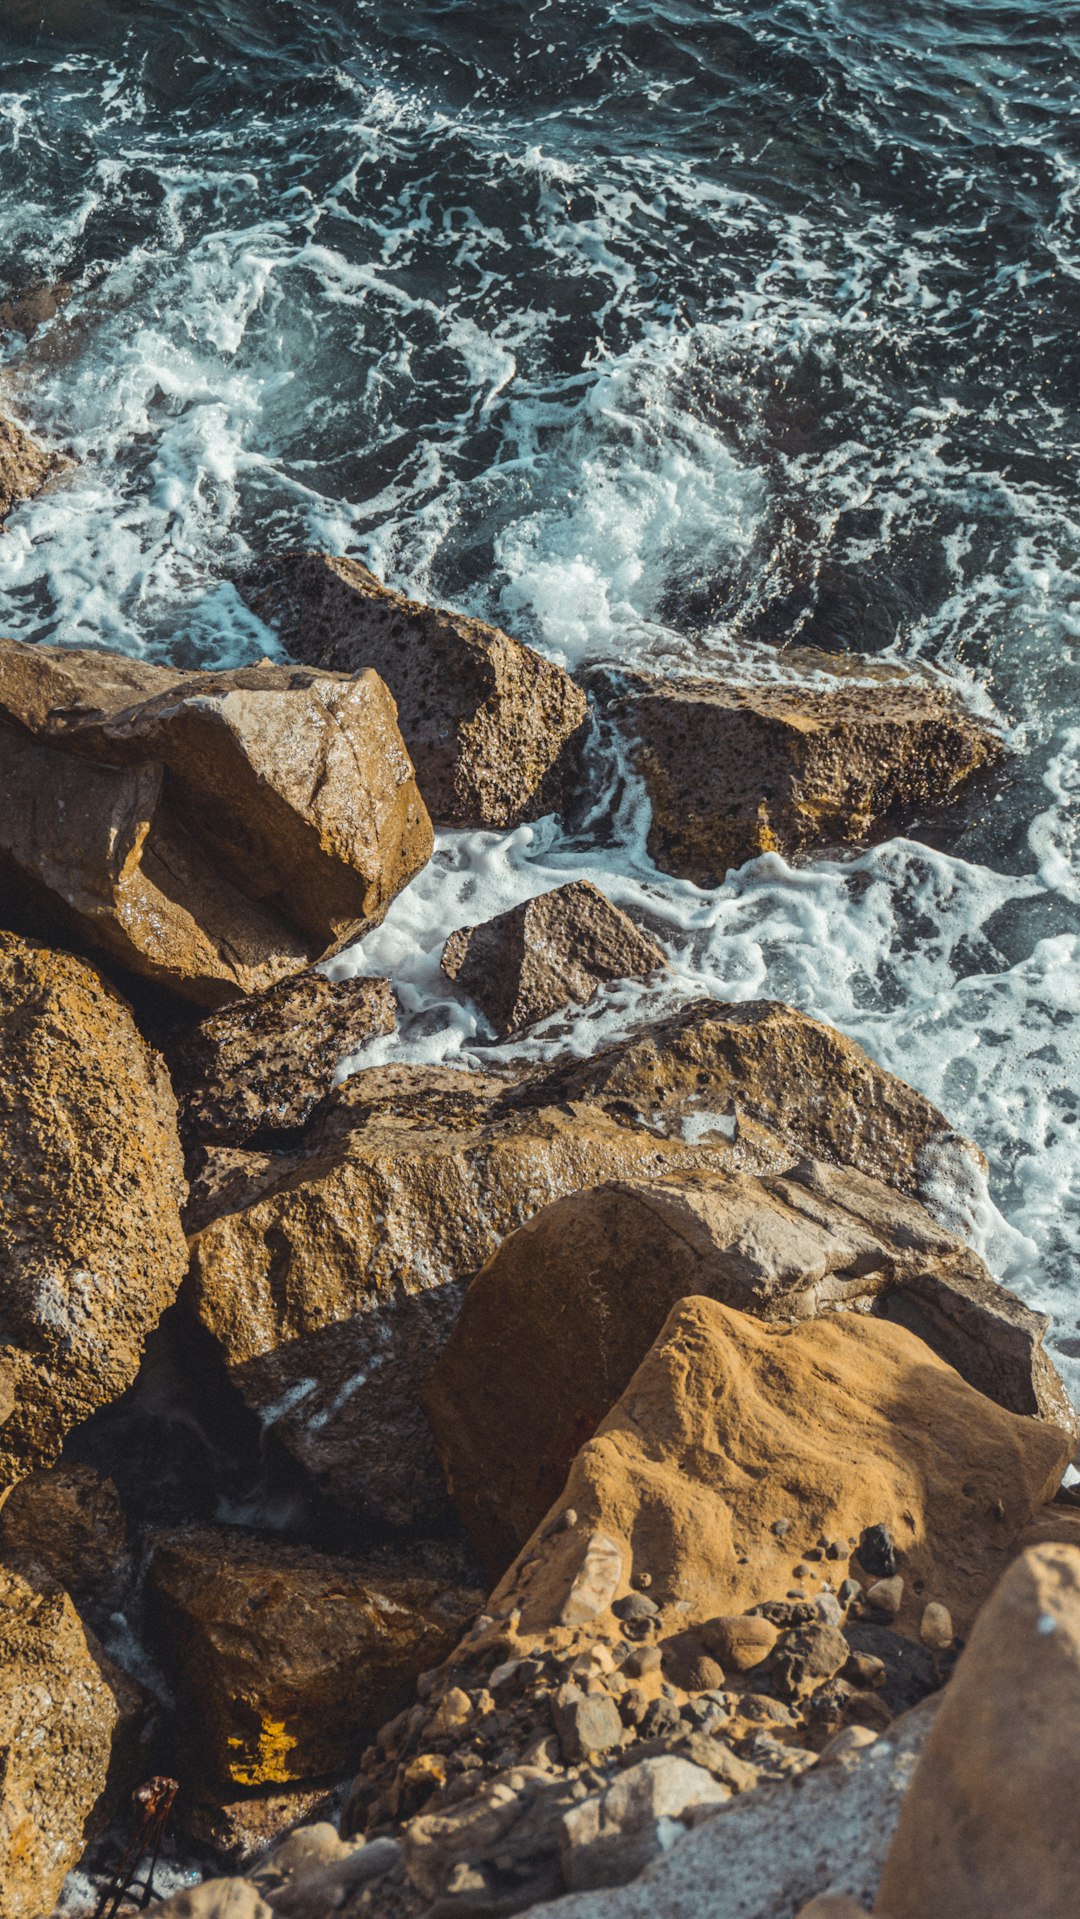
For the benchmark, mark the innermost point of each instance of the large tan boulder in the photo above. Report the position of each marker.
(284, 1660)
(91, 1182)
(330, 1274)
(213, 831)
(737, 1445)
(70, 1726)
(988, 1828)
(25, 467)
(553, 1326)
(547, 953)
(489, 723)
(736, 770)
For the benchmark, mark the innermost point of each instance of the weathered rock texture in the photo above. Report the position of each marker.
(285, 1660)
(733, 771)
(555, 1323)
(548, 953)
(330, 1274)
(70, 1522)
(70, 1723)
(25, 467)
(731, 1428)
(91, 1181)
(261, 1065)
(488, 722)
(987, 1828)
(213, 831)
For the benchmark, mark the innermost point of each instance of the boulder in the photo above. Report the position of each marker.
(611, 1836)
(214, 832)
(70, 1730)
(988, 1829)
(730, 1427)
(25, 467)
(330, 1271)
(490, 724)
(736, 770)
(549, 952)
(284, 1660)
(70, 1522)
(553, 1326)
(92, 1249)
(259, 1066)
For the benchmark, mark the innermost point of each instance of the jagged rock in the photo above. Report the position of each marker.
(260, 1065)
(549, 952)
(313, 1872)
(553, 1326)
(212, 831)
(613, 1835)
(91, 1245)
(330, 1273)
(284, 1660)
(987, 1830)
(488, 722)
(729, 1424)
(70, 1729)
(737, 770)
(24, 312)
(69, 1520)
(25, 467)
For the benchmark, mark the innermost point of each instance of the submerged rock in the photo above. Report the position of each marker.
(25, 467)
(212, 831)
(489, 723)
(92, 1249)
(547, 953)
(737, 770)
(260, 1065)
(553, 1326)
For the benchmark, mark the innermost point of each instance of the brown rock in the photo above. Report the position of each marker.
(261, 1065)
(30, 309)
(69, 1520)
(70, 1724)
(215, 1899)
(25, 467)
(713, 1439)
(91, 1245)
(238, 1831)
(741, 1641)
(487, 721)
(549, 952)
(214, 832)
(553, 1326)
(286, 1661)
(733, 771)
(987, 1828)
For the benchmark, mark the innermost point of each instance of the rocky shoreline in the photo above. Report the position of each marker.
(585, 1485)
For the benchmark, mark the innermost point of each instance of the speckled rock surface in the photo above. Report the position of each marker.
(25, 467)
(488, 722)
(547, 953)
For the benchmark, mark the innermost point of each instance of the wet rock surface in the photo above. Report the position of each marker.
(25, 467)
(551, 951)
(490, 725)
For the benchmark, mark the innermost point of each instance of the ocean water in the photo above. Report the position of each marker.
(656, 330)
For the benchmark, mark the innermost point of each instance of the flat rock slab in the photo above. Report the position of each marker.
(737, 770)
(547, 953)
(489, 723)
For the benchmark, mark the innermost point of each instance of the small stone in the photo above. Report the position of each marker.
(936, 1629)
(739, 1641)
(453, 1709)
(635, 1605)
(802, 1571)
(563, 1522)
(643, 1659)
(863, 1669)
(781, 1527)
(644, 1580)
(850, 1590)
(886, 1595)
(849, 1739)
(827, 1608)
(661, 1719)
(808, 1654)
(876, 1552)
(589, 1664)
(869, 1709)
(585, 1723)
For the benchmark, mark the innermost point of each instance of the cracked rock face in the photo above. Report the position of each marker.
(490, 724)
(92, 1249)
(214, 832)
(737, 770)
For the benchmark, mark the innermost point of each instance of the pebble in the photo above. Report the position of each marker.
(886, 1595)
(644, 1659)
(850, 1739)
(849, 1592)
(876, 1551)
(781, 1527)
(936, 1630)
(635, 1605)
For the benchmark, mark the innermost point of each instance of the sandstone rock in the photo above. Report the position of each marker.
(741, 1641)
(260, 1065)
(215, 1899)
(487, 721)
(549, 952)
(25, 467)
(737, 770)
(91, 1244)
(936, 1628)
(212, 831)
(69, 1520)
(886, 1595)
(284, 1660)
(987, 1830)
(552, 1327)
(612, 1836)
(711, 1442)
(70, 1724)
